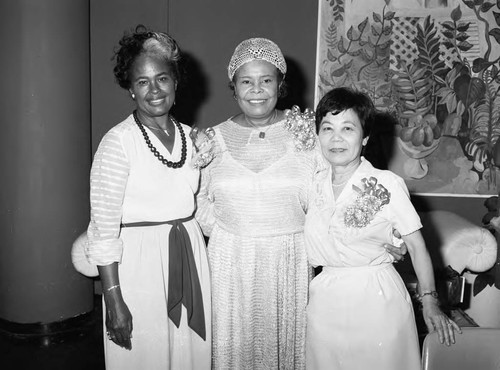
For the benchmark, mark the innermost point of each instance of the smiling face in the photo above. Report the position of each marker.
(256, 85)
(153, 84)
(341, 138)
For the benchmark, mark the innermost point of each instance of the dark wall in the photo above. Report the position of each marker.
(208, 32)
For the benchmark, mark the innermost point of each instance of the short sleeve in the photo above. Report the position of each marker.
(401, 211)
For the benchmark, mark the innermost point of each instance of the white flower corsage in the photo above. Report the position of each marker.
(371, 197)
(302, 126)
(204, 144)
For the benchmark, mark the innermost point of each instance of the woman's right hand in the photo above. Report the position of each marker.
(119, 322)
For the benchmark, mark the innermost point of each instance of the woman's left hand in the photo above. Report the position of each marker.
(435, 319)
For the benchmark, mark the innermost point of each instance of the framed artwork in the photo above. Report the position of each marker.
(432, 69)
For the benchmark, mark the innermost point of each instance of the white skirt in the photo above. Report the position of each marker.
(361, 318)
(156, 342)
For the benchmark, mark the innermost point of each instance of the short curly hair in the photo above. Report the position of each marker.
(143, 41)
(341, 99)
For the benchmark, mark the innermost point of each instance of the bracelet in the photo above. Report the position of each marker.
(432, 293)
(113, 287)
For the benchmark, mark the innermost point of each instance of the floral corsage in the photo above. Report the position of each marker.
(204, 144)
(371, 197)
(301, 125)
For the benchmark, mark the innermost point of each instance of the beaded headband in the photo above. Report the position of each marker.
(256, 48)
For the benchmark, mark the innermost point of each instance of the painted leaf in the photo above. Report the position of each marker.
(389, 16)
(448, 44)
(486, 6)
(375, 31)
(456, 14)
(497, 17)
(448, 34)
(362, 25)
(469, 3)
(480, 64)
(350, 33)
(377, 18)
(448, 25)
(469, 90)
(463, 27)
(495, 32)
(330, 56)
(338, 72)
(464, 45)
(325, 81)
(341, 46)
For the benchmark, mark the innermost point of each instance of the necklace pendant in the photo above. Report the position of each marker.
(262, 135)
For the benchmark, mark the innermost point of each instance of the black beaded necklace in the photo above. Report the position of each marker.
(156, 152)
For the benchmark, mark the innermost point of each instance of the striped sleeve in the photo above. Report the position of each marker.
(108, 180)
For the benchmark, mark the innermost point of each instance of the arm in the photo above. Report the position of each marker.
(205, 207)
(434, 318)
(108, 179)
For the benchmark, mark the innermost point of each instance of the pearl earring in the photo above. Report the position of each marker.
(133, 96)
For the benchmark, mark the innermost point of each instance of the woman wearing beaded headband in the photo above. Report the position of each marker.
(148, 248)
(251, 203)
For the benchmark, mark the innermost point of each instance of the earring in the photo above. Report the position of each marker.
(133, 96)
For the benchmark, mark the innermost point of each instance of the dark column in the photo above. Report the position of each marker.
(45, 156)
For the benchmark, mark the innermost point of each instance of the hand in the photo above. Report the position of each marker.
(203, 141)
(398, 250)
(435, 319)
(119, 324)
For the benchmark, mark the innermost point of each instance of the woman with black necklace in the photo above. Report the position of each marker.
(148, 249)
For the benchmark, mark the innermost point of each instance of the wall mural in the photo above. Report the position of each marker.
(433, 66)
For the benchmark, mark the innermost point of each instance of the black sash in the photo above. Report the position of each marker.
(183, 282)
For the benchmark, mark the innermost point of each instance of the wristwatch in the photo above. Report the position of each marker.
(432, 293)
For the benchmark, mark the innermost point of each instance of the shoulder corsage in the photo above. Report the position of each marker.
(204, 144)
(370, 200)
(302, 127)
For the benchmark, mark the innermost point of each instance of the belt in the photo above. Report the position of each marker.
(183, 282)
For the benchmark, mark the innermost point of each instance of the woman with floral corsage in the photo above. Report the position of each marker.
(142, 236)
(360, 315)
(252, 204)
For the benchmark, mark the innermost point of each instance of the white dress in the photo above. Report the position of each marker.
(252, 204)
(129, 184)
(359, 314)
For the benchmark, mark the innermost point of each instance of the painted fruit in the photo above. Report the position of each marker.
(417, 137)
(428, 136)
(406, 133)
